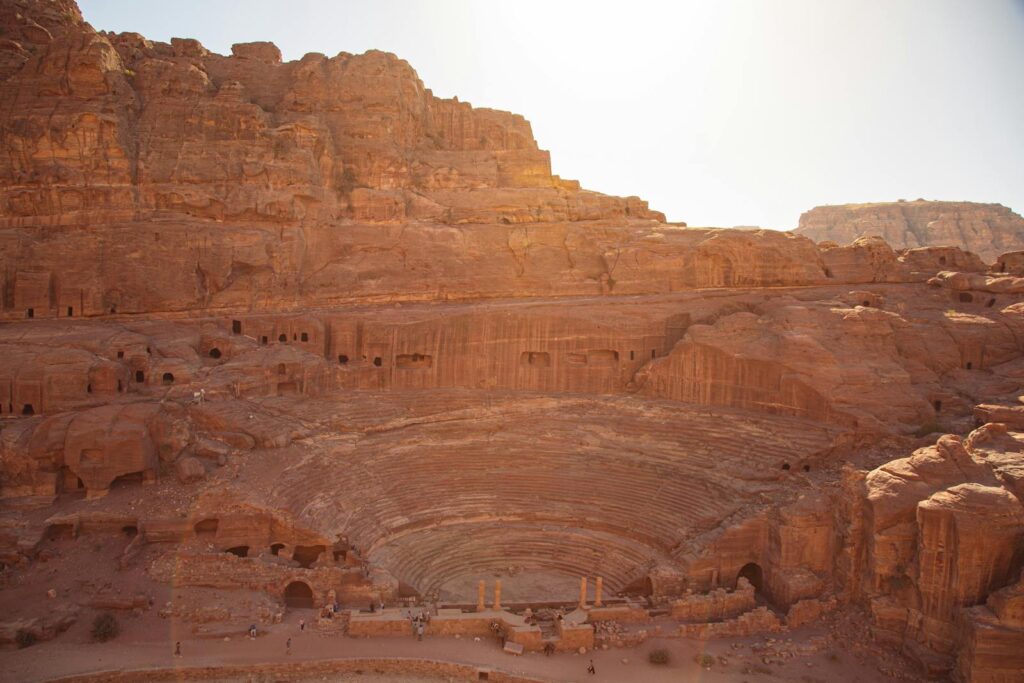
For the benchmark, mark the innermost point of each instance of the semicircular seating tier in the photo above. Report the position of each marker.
(578, 487)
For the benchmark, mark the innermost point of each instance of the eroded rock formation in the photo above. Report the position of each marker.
(987, 230)
(290, 335)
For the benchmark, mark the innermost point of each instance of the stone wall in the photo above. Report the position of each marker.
(717, 605)
(224, 570)
(759, 620)
(450, 622)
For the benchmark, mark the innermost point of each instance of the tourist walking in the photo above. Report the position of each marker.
(302, 624)
(590, 669)
(177, 649)
(288, 646)
(419, 631)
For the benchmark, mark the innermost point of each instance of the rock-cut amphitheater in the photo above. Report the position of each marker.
(300, 337)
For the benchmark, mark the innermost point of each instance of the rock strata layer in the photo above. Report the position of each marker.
(987, 230)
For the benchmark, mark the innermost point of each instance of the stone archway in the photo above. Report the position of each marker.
(298, 594)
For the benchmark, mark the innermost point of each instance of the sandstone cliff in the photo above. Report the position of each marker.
(988, 230)
(101, 127)
(359, 343)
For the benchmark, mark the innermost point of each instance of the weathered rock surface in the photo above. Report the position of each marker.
(987, 230)
(359, 344)
(946, 528)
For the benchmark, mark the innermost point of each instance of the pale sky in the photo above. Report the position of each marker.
(718, 112)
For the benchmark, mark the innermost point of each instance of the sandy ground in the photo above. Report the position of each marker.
(144, 644)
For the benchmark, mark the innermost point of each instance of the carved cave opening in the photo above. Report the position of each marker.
(298, 594)
(306, 555)
(752, 572)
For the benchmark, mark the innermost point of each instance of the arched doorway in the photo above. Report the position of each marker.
(752, 573)
(298, 594)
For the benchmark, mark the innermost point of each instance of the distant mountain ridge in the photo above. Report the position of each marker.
(985, 229)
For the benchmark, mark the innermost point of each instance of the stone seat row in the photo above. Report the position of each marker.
(439, 556)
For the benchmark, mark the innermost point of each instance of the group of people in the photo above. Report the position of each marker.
(418, 622)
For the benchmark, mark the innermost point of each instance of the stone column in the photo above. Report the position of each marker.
(598, 588)
(481, 600)
(583, 592)
(497, 594)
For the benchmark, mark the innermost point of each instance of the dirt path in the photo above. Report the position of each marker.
(73, 654)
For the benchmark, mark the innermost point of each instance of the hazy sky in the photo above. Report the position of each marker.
(718, 112)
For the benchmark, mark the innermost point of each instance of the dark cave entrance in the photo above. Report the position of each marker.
(752, 572)
(298, 594)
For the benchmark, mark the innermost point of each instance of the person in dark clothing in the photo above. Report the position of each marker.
(590, 669)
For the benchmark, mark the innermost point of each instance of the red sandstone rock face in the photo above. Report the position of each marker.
(945, 532)
(987, 230)
(357, 341)
(147, 127)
